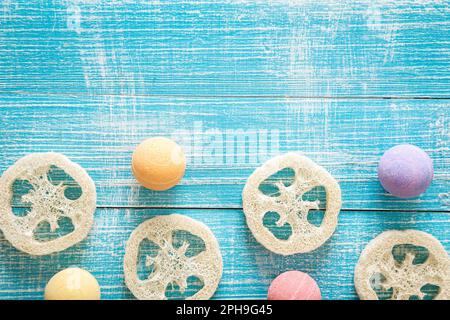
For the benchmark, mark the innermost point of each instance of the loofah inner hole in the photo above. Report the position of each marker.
(196, 244)
(58, 176)
(377, 282)
(430, 291)
(268, 187)
(147, 248)
(43, 232)
(400, 252)
(174, 292)
(182, 244)
(270, 220)
(315, 217)
(20, 188)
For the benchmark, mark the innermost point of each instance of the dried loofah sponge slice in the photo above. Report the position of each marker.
(171, 265)
(290, 206)
(48, 203)
(403, 265)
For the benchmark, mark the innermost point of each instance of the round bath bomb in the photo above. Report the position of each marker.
(405, 171)
(294, 285)
(158, 163)
(72, 284)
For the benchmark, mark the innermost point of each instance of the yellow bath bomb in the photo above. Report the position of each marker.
(158, 163)
(72, 284)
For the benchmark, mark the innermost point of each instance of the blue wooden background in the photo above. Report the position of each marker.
(340, 81)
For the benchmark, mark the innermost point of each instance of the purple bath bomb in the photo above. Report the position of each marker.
(405, 171)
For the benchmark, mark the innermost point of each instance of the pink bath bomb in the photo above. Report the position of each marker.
(294, 285)
(405, 171)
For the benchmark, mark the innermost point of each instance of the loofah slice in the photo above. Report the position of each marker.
(171, 265)
(290, 206)
(403, 265)
(48, 203)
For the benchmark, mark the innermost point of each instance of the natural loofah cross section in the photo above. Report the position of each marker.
(290, 206)
(401, 265)
(48, 203)
(171, 265)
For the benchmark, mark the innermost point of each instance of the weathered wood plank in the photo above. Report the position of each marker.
(295, 48)
(248, 267)
(226, 139)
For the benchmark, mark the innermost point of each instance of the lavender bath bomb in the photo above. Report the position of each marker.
(405, 171)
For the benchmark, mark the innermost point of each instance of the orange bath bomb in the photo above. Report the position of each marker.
(158, 163)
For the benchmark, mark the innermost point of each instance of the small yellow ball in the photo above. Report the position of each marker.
(72, 284)
(158, 163)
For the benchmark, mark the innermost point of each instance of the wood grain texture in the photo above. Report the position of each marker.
(229, 47)
(248, 267)
(235, 82)
(220, 137)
